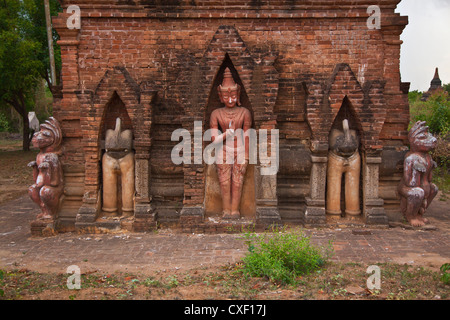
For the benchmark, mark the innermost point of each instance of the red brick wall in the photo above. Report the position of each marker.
(297, 60)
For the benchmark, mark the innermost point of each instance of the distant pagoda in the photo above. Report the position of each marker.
(436, 84)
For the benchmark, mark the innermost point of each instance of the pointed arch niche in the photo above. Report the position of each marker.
(329, 102)
(116, 95)
(113, 110)
(213, 200)
(347, 112)
(196, 88)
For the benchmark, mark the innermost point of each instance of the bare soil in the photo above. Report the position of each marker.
(15, 175)
(336, 281)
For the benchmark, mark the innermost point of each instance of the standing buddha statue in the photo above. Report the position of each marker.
(233, 157)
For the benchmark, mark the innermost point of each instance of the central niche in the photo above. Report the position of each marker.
(118, 163)
(213, 194)
(344, 192)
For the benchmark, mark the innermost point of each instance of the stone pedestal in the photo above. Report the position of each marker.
(190, 217)
(145, 218)
(266, 198)
(43, 228)
(315, 214)
(88, 212)
(373, 205)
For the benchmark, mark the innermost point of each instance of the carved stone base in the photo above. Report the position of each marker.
(193, 220)
(43, 228)
(266, 217)
(347, 221)
(217, 225)
(377, 216)
(191, 217)
(315, 215)
(106, 225)
(145, 218)
(144, 225)
(86, 214)
(374, 212)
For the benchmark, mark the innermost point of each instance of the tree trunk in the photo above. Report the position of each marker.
(18, 103)
(26, 133)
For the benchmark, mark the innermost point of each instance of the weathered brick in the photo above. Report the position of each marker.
(155, 64)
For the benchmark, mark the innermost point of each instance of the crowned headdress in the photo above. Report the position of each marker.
(418, 128)
(229, 85)
(53, 126)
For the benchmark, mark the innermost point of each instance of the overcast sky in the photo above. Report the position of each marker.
(426, 42)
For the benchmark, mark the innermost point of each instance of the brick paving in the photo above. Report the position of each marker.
(172, 250)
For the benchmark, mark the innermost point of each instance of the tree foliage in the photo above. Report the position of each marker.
(23, 55)
(435, 111)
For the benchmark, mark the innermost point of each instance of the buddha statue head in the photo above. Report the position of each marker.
(229, 90)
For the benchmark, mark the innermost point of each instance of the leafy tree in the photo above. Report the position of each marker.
(435, 111)
(447, 87)
(414, 96)
(19, 64)
(23, 55)
(38, 31)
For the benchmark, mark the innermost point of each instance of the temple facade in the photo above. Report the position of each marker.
(304, 69)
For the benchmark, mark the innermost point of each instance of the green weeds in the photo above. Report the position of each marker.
(445, 269)
(232, 281)
(283, 256)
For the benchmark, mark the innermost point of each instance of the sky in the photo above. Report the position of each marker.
(426, 42)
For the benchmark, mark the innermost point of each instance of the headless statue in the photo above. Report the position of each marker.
(415, 189)
(235, 146)
(343, 159)
(47, 169)
(118, 161)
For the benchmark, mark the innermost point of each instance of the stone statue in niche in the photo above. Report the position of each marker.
(415, 189)
(343, 159)
(118, 161)
(233, 157)
(47, 170)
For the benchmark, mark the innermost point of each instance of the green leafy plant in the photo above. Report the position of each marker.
(4, 123)
(172, 281)
(282, 256)
(2, 276)
(445, 269)
(435, 111)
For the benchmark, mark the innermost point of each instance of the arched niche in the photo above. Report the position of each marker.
(213, 98)
(114, 109)
(347, 111)
(213, 198)
(116, 94)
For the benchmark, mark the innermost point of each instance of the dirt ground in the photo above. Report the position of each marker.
(335, 281)
(15, 175)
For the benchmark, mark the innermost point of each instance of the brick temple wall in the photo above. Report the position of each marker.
(297, 60)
